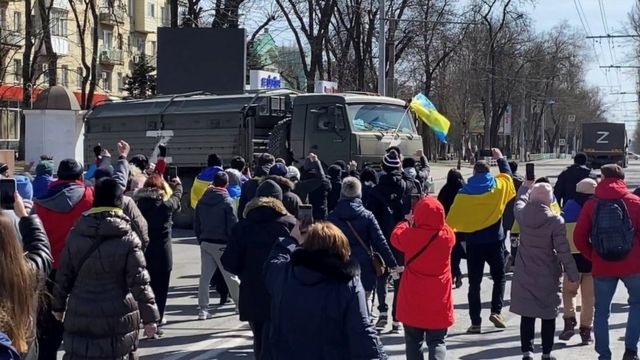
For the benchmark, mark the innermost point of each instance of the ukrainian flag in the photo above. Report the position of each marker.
(202, 182)
(427, 112)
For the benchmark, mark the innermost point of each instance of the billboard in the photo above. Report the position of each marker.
(260, 79)
(325, 87)
(201, 59)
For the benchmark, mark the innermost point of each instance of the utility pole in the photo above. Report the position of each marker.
(381, 49)
(391, 51)
(522, 122)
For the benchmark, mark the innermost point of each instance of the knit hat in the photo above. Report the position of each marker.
(44, 168)
(612, 171)
(351, 188)
(541, 193)
(24, 187)
(3, 167)
(391, 161)
(341, 164)
(269, 189)
(586, 186)
(235, 177)
(278, 169)
(335, 172)
(140, 161)
(293, 173)
(408, 162)
(69, 169)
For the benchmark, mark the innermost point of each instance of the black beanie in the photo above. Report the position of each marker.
(108, 193)
(269, 189)
(140, 161)
(214, 160)
(70, 170)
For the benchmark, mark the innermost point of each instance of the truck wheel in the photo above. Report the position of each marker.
(183, 219)
(279, 141)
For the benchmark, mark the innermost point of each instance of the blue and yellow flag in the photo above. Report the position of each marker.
(427, 112)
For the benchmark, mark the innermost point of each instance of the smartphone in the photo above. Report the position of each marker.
(7, 193)
(531, 173)
(305, 215)
(172, 172)
(486, 153)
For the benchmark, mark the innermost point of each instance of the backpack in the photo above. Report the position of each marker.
(612, 231)
(391, 211)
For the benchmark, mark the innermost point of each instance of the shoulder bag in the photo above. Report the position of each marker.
(376, 258)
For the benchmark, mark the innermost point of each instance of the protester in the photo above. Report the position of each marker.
(214, 218)
(605, 235)
(509, 219)
(290, 199)
(362, 230)
(293, 174)
(158, 210)
(369, 180)
(234, 188)
(335, 177)
(205, 178)
(265, 221)
(44, 177)
(314, 187)
(249, 188)
(476, 214)
(238, 163)
(565, 188)
(318, 302)
(425, 300)
(535, 290)
(584, 191)
(23, 265)
(97, 151)
(413, 185)
(446, 196)
(102, 291)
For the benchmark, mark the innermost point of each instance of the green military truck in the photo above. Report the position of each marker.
(286, 124)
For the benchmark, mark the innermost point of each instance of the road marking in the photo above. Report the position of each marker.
(219, 346)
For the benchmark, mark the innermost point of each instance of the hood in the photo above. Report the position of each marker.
(479, 184)
(263, 209)
(63, 196)
(214, 196)
(209, 173)
(392, 183)
(285, 184)
(312, 267)
(429, 213)
(105, 224)
(610, 189)
(535, 215)
(149, 193)
(234, 191)
(349, 209)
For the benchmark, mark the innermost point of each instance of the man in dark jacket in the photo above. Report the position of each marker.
(213, 221)
(290, 199)
(249, 188)
(565, 188)
(335, 177)
(266, 220)
(314, 187)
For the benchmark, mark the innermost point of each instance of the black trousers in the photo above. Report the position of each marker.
(160, 286)
(477, 256)
(50, 330)
(260, 330)
(217, 281)
(381, 293)
(457, 254)
(528, 331)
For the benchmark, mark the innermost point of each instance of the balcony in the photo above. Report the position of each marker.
(111, 56)
(11, 38)
(112, 16)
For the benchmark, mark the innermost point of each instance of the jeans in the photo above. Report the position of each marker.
(414, 339)
(477, 256)
(604, 289)
(528, 331)
(160, 286)
(210, 255)
(569, 293)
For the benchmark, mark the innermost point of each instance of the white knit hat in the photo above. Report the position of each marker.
(586, 186)
(351, 188)
(541, 193)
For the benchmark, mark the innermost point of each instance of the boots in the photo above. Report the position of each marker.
(585, 334)
(569, 329)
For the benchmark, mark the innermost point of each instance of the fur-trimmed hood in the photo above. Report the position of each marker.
(264, 209)
(149, 193)
(285, 184)
(312, 267)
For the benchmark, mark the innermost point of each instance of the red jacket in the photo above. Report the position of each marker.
(425, 300)
(60, 209)
(610, 189)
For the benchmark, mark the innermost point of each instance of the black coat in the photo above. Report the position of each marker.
(319, 309)
(265, 221)
(565, 188)
(290, 199)
(159, 215)
(386, 201)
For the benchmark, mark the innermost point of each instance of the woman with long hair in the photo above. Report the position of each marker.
(447, 194)
(318, 302)
(22, 266)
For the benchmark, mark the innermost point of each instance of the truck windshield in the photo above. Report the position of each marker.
(380, 118)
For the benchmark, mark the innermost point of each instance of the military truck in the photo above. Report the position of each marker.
(604, 143)
(284, 123)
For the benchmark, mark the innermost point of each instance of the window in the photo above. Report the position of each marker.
(328, 117)
(3, 19)
(120, 81)
(380, 118)
(17, 70)
(153, 48)
(79, 78)
(140, 45)
(107, 39)
(45, 73)
(120, 42)
(58, 23)
(9, 119)
(165, 14)
(106, 81)
(64, 76)
(17, 21)
(151, 10)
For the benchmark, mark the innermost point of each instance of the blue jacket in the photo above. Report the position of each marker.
(7, 352)
(367, 228)
(41, 186)
(319, 309)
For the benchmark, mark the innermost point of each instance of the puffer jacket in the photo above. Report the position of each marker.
(542, 254)
(425, 300)
(367, 228)
(215, 216)
(265, 221)
(138, 222)
(111, 293)
(159, 215)
(565, 188)
(319, 309)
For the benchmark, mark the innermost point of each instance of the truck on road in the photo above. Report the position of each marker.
(604, 143)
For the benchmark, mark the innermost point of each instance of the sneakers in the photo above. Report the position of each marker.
(585, 335)
(569, 329)
(630, 355)
(458, 282)
(224, 300)
(382, 321)
(163, 322)
(527, 357)
(474, 329)
(204, 315)
(498, 321)
(396, 328)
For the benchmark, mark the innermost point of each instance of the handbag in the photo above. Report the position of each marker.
(377, 260)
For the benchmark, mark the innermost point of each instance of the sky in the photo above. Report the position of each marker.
(600, 17)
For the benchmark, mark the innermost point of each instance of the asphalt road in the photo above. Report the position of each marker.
(225, 338)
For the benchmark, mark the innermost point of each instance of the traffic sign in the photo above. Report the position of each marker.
(572, 118)
(562, 142)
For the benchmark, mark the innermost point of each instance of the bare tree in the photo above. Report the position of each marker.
(85, 15)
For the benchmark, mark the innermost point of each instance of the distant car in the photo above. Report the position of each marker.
(633, 156)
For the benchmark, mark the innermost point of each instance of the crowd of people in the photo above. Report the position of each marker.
(306, 255)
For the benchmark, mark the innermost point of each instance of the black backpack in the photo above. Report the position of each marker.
(612, 231)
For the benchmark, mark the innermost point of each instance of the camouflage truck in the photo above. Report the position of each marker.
(286, 124)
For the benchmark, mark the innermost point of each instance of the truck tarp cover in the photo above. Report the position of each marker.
(603, 137)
